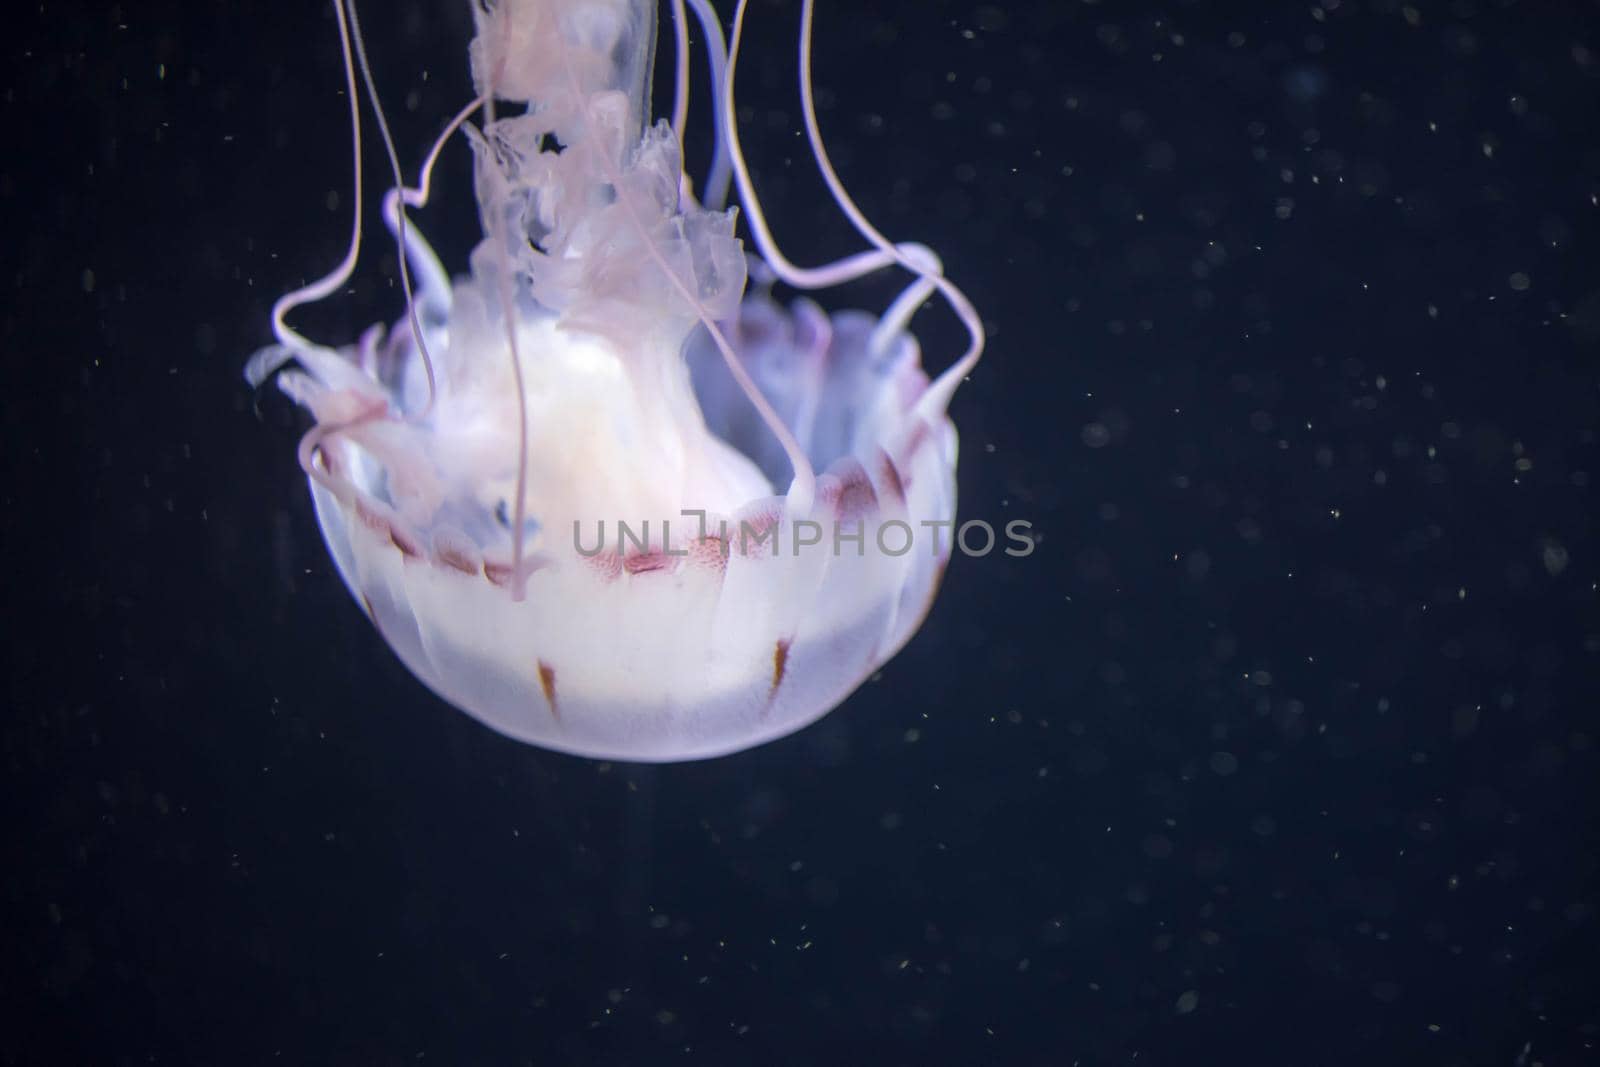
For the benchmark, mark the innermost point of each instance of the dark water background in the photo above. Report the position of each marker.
(1280, 750)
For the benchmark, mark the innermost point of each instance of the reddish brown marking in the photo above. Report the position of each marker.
(498, 573)
(455, 558)
(780, 663)
(547, 682)
(919, 434)
(645, 562)
(404, 542)
(893, 484)
(370, 518)
(709, 552)
(856, 497)
(751, 535)
(609, 564)
(365, 603)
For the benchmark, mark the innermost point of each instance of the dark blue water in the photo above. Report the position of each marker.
(1280, 750)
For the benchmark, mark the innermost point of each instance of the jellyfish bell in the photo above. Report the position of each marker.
(593, 492)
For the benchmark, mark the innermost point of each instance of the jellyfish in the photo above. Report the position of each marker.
(604, 491)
